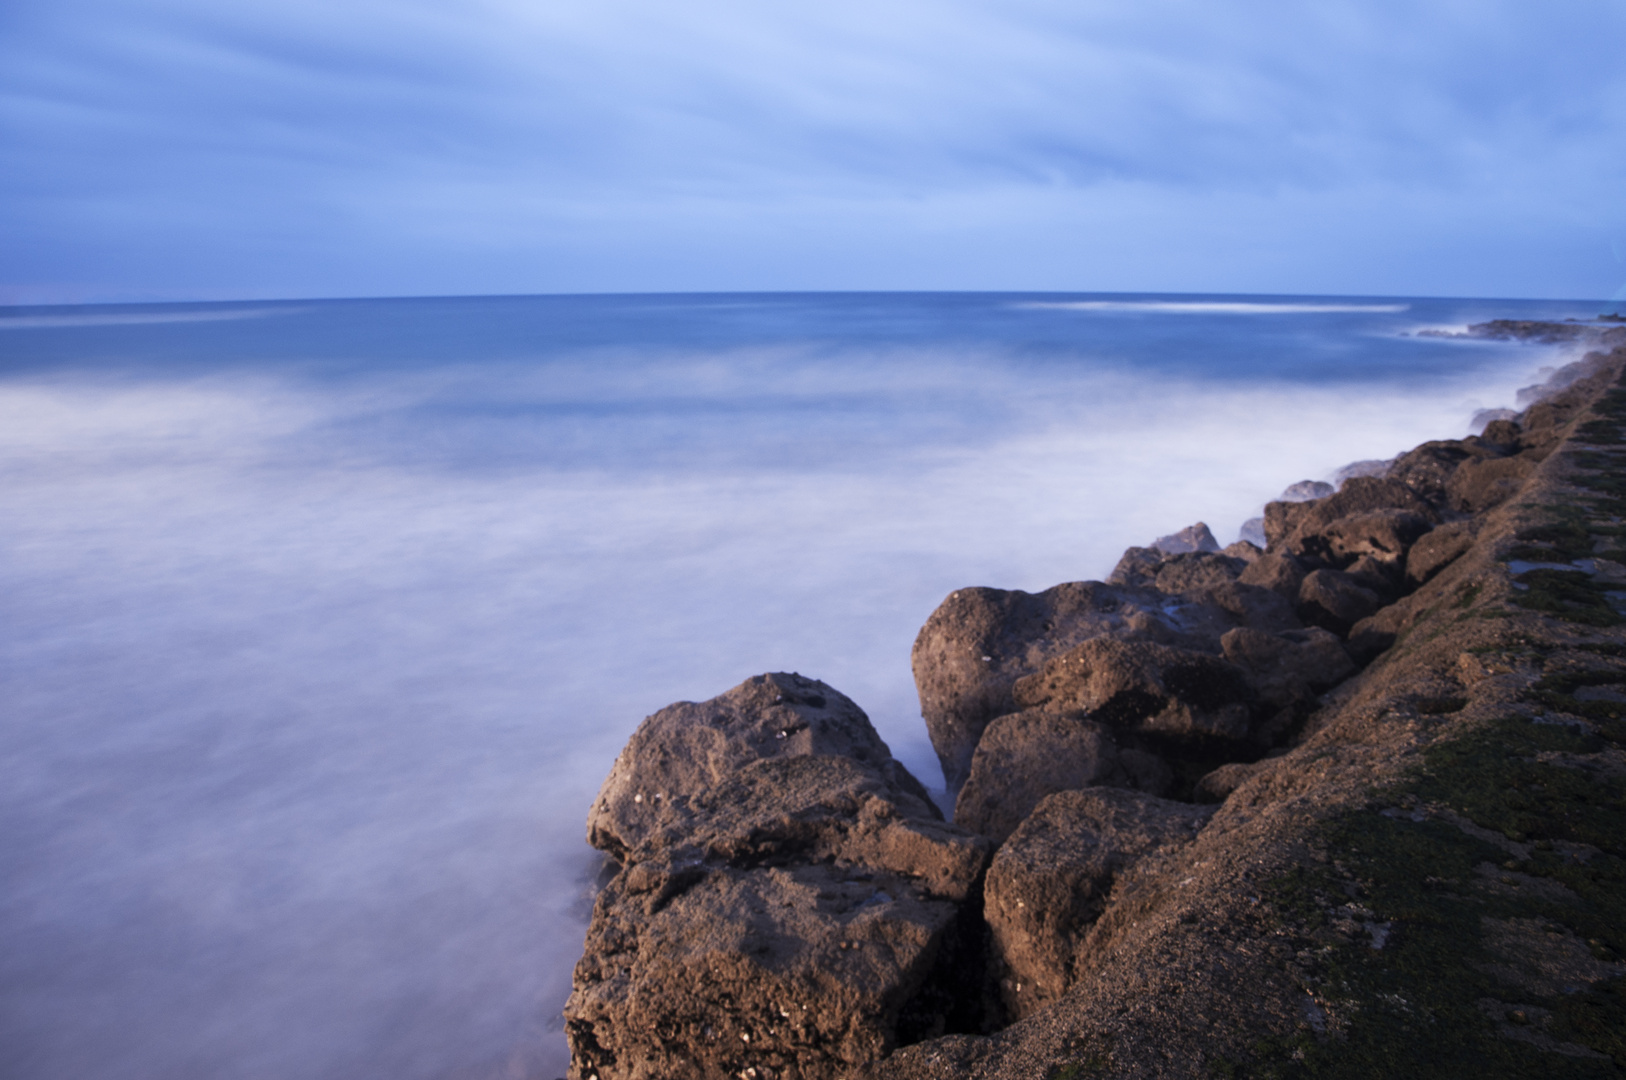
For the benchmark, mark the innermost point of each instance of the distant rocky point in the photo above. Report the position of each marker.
(1346, 801)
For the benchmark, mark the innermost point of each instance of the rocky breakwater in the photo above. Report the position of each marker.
(1232, 830)
(789, 902)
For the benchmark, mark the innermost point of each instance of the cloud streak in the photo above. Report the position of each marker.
(630, 144)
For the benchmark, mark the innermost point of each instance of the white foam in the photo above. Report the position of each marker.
(1211, 307)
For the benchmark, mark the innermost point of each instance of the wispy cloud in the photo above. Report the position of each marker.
(496, 145)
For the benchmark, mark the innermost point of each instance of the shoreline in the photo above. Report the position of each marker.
(1209, 726)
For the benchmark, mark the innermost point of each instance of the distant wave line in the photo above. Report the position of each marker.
(1207, 307)
(18, 322)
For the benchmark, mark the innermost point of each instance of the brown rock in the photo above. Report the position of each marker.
(1288, 669)
(687, 750)
(1383, 535)
(1335, 601)
(788, 900)
(1216, 786)
(1427, 470)
(1145, 687)
(1138, 567)
(1051, 880)
(1281, 574)
(1288, 524)
(1437, 550)
(1245, 550)
(1191, 538)
(978, 642)
(1027, 755)
(1196, 570)
(1482, 484)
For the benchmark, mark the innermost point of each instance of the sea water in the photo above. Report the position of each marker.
(323, 621)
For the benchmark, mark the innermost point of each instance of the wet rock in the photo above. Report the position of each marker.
(1051, 879)
(1335, 601)
(1191, 538)
(1437, 550)
(1027, 755)
(1145, 687)
(788, 899)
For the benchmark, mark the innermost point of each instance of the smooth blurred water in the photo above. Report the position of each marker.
(324, 620)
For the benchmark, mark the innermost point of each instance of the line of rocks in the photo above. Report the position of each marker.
(788, 902)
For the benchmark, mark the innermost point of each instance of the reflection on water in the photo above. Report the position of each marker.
(323, 626)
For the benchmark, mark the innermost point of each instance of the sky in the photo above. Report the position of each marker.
(188, 149)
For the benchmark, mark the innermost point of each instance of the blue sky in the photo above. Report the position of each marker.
(172, 149)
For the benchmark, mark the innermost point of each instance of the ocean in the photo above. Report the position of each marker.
(325, 619)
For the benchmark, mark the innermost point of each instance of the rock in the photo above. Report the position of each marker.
(1481, 484)
(1280, 573)
(1288, 670)
(1216, 786)
(1051, 879)
(1384, 535)
(788, 899)
(1144, 687)
(1293, 528)
(1138, 567)
(1191, 538)
(1502, 431)
(1196, 570)
(1027, 755)
(1437, 550)
(687, 750)
(1305, 490)
(1484, 418)
(1360, 470)
(978, 642)
(1253, 531)
(1335, 601)
(1147, 772)
(1428, 468)
(1246, 550)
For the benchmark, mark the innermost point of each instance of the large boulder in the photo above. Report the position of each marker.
(1050, 881)
(1027, 755)
(1335, 601)
(1287, 671)
(1297, 528)
(788, 900)
(1437, 550)
(1141, 686)
(979, 641)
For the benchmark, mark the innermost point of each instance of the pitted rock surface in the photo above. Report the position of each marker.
(1051, 880)
(789, 900)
